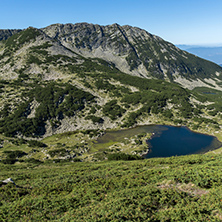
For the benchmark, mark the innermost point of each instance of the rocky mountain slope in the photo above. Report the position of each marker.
(133, 51)
(137, 52)
(70, 77)
(6, 33)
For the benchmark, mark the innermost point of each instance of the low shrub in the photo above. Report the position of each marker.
(14, 154)
(35, 143)
(123, 156)
(9, 161)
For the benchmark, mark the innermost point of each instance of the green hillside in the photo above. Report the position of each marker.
(184, 188)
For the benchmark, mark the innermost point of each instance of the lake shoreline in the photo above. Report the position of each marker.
(154, 130)
(165, 124)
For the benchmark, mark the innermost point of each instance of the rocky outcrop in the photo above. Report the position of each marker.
(9, 180)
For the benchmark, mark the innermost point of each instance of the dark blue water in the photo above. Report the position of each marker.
(177, 141)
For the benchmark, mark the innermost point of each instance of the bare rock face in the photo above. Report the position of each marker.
(106, 42)
(114, 43)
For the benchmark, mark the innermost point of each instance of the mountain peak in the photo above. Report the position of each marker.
(134, 51)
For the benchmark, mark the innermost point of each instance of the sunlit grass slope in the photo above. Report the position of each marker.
(186, 188)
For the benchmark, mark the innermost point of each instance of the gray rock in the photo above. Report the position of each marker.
(9, 180)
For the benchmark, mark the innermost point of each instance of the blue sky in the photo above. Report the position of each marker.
(196, 22)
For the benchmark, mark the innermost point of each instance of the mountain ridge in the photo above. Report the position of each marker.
(136, 52)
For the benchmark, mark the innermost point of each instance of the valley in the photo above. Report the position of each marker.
(76, 102)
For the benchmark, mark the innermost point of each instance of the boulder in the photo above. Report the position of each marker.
(9, 180)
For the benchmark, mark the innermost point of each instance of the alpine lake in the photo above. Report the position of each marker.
(166, 141)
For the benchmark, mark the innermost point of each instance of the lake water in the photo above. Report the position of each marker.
(177, 141)
(167, 140)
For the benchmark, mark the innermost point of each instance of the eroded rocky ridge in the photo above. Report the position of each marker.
(137, 52)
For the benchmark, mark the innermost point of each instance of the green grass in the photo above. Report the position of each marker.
(209, 93)
(101, 146)
(186, 188)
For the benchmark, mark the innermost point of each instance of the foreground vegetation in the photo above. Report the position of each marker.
(186, 188)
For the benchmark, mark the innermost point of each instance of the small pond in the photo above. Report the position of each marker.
(166, 140)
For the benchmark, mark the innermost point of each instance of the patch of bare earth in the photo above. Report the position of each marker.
(189, 188)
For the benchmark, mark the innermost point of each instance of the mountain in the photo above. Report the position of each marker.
(79, 77)
(213, 54)
(133, 51)
(137, 52)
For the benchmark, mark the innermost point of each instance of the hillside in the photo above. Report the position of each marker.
(169, 189)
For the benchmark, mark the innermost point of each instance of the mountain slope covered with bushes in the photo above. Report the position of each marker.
(169, 189)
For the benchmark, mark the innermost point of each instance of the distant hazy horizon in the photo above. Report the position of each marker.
(201, 45)
(211, 53)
